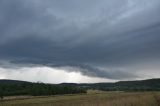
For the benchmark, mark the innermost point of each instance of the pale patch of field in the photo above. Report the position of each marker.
(93, 98)
(16, 97)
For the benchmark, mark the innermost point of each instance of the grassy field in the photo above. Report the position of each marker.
(92, 98)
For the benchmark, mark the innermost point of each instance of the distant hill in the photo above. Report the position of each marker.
(7, 81)
(138, 85)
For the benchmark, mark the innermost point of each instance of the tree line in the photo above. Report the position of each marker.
(37, 89)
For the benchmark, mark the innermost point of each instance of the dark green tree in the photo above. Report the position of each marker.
(1, 94)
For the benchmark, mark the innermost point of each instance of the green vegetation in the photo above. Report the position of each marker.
(140, 85)
(37, 89)
(93, 98)
(12, 87)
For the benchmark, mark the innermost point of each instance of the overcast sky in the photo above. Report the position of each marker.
(79, 40)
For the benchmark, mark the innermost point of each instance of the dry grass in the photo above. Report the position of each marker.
(93, 98)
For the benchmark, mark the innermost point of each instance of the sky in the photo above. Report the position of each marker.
(81, 41)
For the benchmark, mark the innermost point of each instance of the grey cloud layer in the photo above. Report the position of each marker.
(82, 33)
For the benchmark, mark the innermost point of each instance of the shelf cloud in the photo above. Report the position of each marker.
(107, 39)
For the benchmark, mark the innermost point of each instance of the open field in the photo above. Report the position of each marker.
(90, 99)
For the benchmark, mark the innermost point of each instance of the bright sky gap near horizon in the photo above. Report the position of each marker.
(80, 41)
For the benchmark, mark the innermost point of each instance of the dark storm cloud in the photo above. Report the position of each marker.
(87, 34)
(100, 72)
